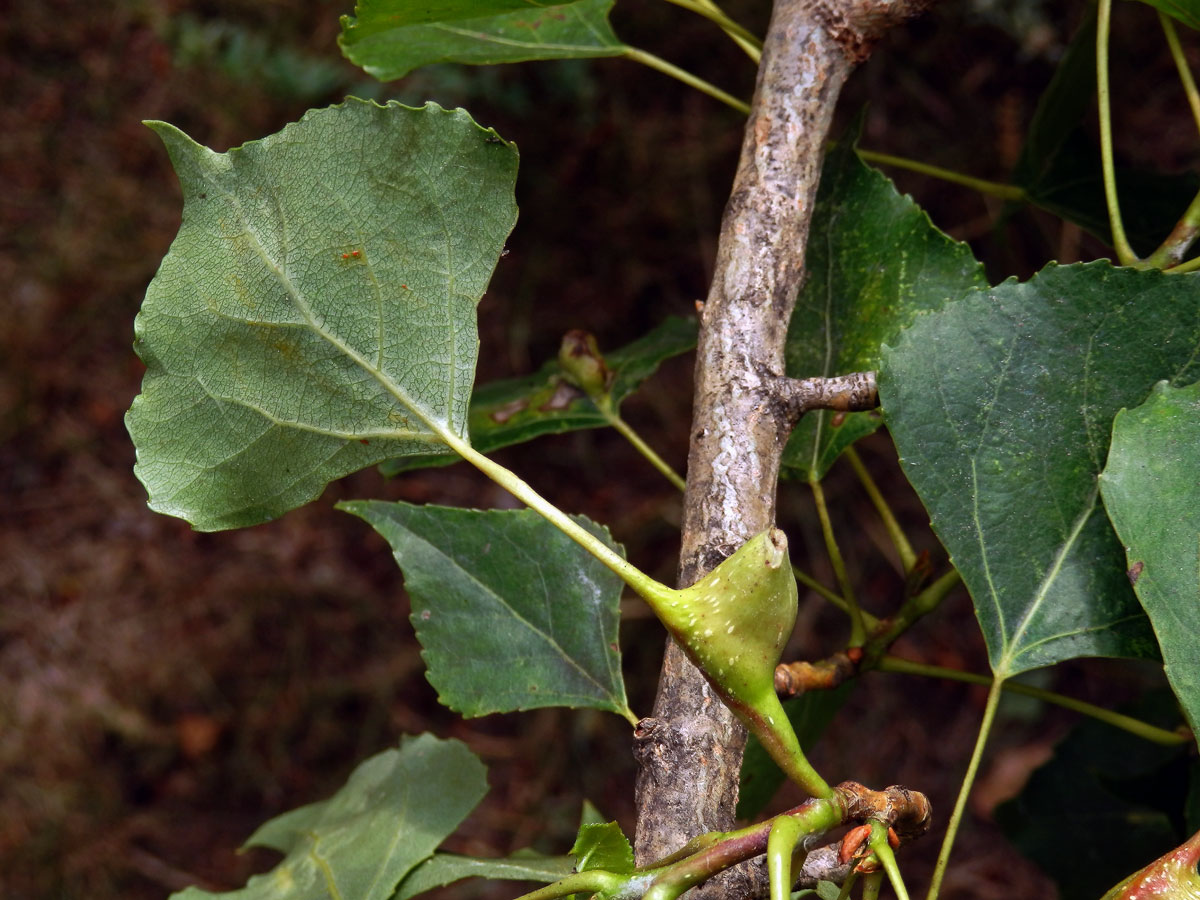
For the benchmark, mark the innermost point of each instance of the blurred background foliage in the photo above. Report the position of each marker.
(162, 692)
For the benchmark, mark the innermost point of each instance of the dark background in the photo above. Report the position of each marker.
(162, 692)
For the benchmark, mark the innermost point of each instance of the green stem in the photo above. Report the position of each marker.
(899, 539)
(858, 631)
(661, 65)
(960, 805)
(990, 188)
(1125, 254)
(785, 834)
(614, 419)
(589, 882)
(1183, 268)
(1117, 720)
(642, 583)
(883, 850)
(741, 36)
(1185, 73)
(911, 611)
(1172, 250)
(836, 599)
(872, 884)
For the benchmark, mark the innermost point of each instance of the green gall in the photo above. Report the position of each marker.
(1171, 877)
(584, 365)
(733, 624)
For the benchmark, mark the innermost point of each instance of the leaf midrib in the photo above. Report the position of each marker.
(305, 310)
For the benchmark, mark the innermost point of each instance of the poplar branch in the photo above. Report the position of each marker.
(690, 751)
(856, 392)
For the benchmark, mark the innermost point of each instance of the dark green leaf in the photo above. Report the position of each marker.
(1106, 804)
(392, 813)
(810, 714)
(603, 846)
(512, 613)
(277, 359)
(1151, 489)
(446, 868)
(519, 409)
(874, 262)
(1001, 406)
(1185, 11)
(390, 38)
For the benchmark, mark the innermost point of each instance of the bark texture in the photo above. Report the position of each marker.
(690, 750)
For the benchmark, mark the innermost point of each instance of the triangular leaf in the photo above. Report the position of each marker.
(1000, 406)
(603, 846)
(392, 813)
(1151, 489)
(316, 313)
(390, 38)
(874, 261)
(512, 613)
(446, 868)
(519, 409)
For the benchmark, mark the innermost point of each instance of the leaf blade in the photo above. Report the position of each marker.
(515, 410)
(1000, 405)
(390, 38)
(848, 308)
(512, 614)
(1152, 495)
(393, 811)
(315, 313)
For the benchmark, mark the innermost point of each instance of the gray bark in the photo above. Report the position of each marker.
(690, 750)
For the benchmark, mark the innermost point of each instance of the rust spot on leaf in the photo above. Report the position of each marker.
(1135, 571)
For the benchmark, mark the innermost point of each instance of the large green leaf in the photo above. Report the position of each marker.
(1118, 796)
(519, 409)
(390, 38)
(1000, 406)
(446, 868)
(512, 613)
(316, 313)
(874, 262)
(1151, 488)
(389, 816)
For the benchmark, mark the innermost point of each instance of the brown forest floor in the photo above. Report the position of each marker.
(162, 692)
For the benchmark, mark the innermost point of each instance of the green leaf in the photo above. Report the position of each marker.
(1001, 406)
(1151, 488)
(390, 38)
(1185, 11)
(874, 262)
(519, 409)
(603, 846)
(512, 613)
(446, 868)
(277, 359)
(810, 714)
(1114, 799)
(390, 815)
